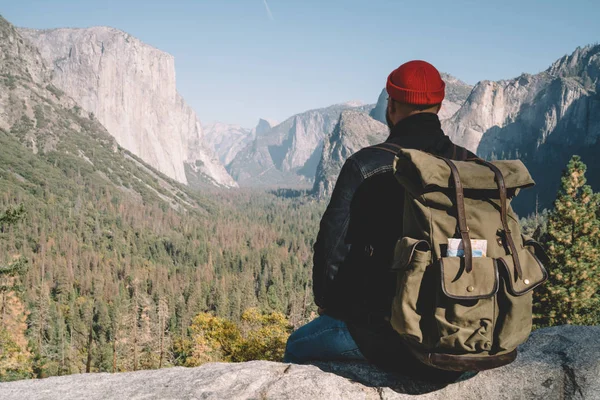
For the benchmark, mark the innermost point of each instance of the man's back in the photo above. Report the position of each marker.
(361, 292)
(352, 282)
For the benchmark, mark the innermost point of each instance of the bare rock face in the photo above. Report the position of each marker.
(542, 119)
(555, 364)
(354, 131)
(130, 88)
(457, 93)
(288, 154)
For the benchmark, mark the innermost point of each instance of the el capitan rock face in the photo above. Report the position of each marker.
(560, 363)
(542, 119)
(44, 131)
(354, 131)
(130, 88)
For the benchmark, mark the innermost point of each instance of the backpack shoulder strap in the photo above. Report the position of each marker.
(503, 212)
(459, 153)
(461, 215)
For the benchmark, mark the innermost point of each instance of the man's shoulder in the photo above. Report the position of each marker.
(373, 160)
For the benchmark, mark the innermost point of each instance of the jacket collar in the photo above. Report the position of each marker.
(421, 131)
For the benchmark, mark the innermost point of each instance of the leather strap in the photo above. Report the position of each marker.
(451, 362)
(461, 215)
(504, 213)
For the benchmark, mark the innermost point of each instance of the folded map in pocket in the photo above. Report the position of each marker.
(478, 248)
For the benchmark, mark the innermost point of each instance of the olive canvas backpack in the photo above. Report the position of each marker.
(465, 274)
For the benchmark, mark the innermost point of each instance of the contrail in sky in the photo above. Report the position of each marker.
(269, 10)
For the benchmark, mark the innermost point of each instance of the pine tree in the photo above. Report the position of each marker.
(572, 293)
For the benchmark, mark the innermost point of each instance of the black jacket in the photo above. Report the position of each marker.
(363, 221)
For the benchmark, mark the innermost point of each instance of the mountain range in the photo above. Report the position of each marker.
(288, 154)
(542, 119)
(128, 89)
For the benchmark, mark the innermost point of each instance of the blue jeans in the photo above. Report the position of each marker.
(323, 339)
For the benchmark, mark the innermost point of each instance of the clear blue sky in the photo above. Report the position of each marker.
(235, 62)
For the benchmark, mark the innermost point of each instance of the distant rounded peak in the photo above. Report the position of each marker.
(449, 79)
(353, 103)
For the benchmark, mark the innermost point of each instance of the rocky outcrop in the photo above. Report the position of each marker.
(288, 154)
(354, 131)
(556, 363)
(542, 119)
(130, 88)
(457, 93)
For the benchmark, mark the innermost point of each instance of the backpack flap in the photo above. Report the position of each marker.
(534, 273)
(423, 171)
(480, 283)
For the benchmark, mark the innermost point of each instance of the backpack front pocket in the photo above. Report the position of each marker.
(466, 308)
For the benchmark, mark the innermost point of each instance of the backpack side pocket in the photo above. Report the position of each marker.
(410, 308)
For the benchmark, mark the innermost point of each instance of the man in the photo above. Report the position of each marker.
(353, 286)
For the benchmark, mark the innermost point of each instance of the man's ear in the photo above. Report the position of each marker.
(438, 108)
(391, 105)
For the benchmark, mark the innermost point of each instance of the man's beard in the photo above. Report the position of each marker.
(389, 121)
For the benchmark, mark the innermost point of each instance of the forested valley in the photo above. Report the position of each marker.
(109, 282)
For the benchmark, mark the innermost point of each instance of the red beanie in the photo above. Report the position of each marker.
(416, 82)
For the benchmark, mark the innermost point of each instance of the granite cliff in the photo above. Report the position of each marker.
(47, 138)
(130, 88)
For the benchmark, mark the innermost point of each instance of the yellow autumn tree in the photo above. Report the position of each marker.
(258, 336)
(212, 339)
(264, 336)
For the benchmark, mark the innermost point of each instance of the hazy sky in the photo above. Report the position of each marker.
(238, 60)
